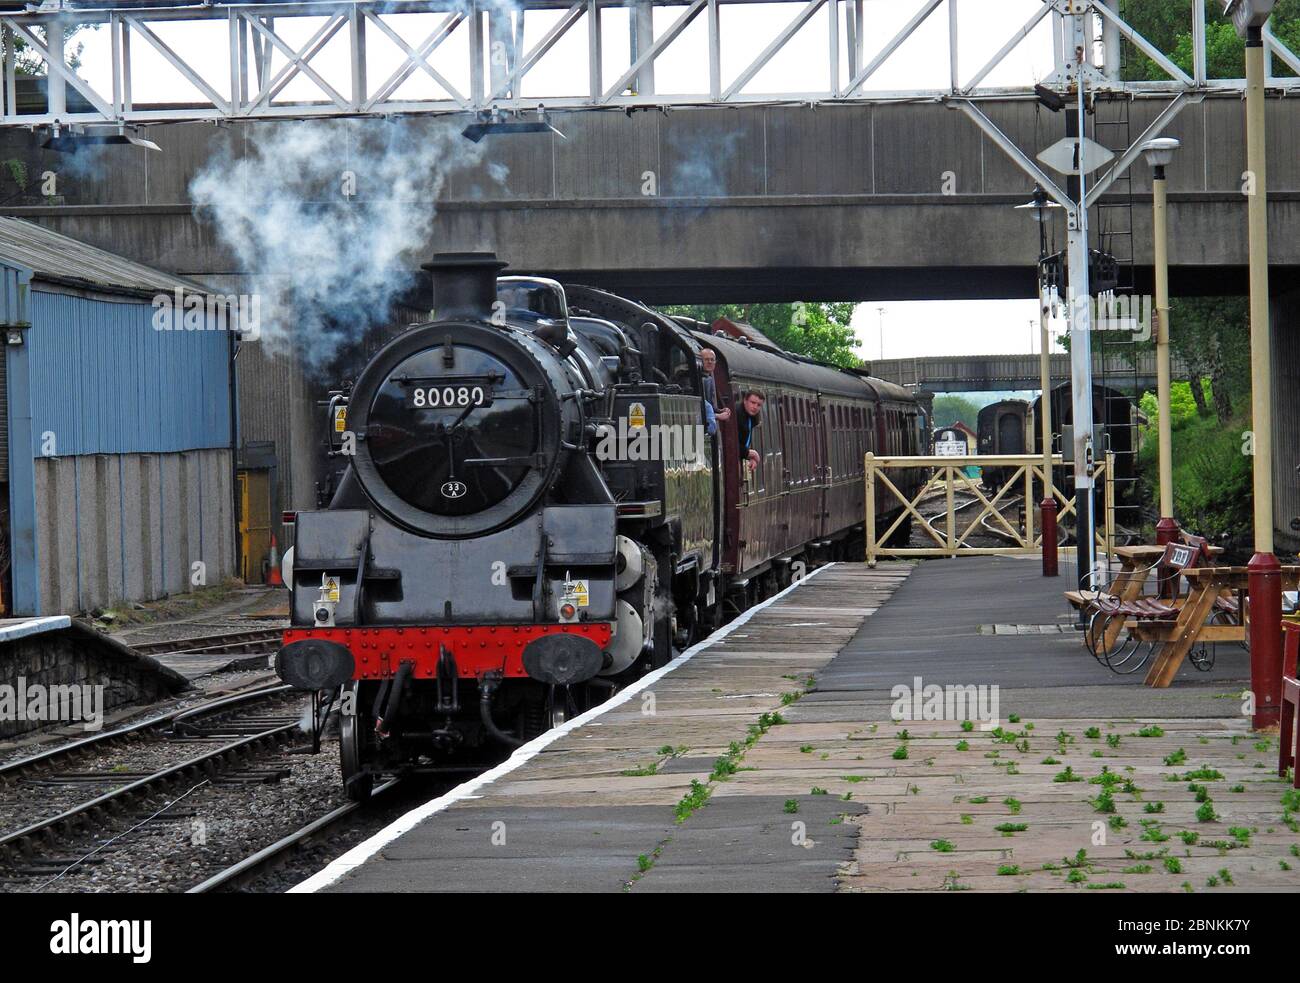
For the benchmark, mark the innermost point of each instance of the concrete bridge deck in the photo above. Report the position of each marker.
(771, 759)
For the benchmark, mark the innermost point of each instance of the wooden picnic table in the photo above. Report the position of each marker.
(1206, 585)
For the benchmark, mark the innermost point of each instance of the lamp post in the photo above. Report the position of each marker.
(1159, 154)
(880, 312)
(1040, 207)
(1265, 581)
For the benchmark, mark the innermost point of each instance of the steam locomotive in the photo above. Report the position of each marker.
(535, 514)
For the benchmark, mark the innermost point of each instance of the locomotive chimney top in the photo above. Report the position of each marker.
(464, 284)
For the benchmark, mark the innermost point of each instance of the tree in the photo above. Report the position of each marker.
(1212, 337)
(1168, 25)
(819, 331)
(950, 409)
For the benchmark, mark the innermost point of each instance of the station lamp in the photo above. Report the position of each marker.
(1248, 14)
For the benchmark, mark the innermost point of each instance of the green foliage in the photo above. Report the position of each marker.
(950, 409)
(820, 331)
(1168, 26)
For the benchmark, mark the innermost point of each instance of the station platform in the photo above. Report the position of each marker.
(779, 756)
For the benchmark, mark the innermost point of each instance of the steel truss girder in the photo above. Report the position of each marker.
(263, 63)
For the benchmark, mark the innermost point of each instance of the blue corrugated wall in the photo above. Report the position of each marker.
(104, 381)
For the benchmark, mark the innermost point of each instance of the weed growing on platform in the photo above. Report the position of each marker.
(1008, 870)
(1067, 775)
(1200, 791)
(792, 806)
(1237, 788)
(788, 698)
(1104, 802)
(1108, 886)
(950, 883)
(1176, 758)
(979, 800)
(1149, 855)
(1112, 740)
(1204, 773)
(963, 746)
(650, 769)
(900, 752)
(1138, 869)
(1205, 813)
(1283, 865)
(1117, 822)
(1009, 829)
(967, 819)
(1012, 804)
(1189, 837)
(1013, 718)
(1152, 731)
(1173, 865)
(1049, 760)
(1152, 833)
(1076, 877)
(968, 725)
(1241, 834)
(1092, 733)
(817, 790)
(1152, 807)
(694, 799)
(903, 735)
(941, 846)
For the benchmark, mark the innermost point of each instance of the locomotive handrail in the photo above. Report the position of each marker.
(1025, 474)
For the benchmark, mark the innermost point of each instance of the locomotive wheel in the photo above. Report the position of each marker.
(357, 783)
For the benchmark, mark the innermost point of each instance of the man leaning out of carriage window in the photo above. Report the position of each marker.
(751, 405)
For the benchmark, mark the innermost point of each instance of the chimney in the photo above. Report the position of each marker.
(464, 284)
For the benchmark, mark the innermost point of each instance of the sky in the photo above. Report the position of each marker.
(910, 328)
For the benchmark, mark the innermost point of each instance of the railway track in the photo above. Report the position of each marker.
(254, 641)
(256, 864)
(216, 741)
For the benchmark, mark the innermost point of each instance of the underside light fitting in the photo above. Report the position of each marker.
(70, 139)
(491, 122)
(1050, 100)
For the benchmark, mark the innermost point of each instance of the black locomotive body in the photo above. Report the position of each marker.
(534, 514)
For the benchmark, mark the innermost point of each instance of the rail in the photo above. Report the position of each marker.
(947, 478)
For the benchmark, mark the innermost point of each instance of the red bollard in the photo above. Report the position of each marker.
(1167, 530)
(1047, 522)
(1265, 589)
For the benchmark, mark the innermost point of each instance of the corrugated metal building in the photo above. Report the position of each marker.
(117, 445)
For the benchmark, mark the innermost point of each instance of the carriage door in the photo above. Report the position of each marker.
(821, 442)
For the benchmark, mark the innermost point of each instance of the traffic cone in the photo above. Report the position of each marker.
(273, 577)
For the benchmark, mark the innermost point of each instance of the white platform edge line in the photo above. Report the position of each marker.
(35, 626)
(363, 851)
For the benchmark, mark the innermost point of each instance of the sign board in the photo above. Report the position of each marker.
(1063, 156)
(950, 448)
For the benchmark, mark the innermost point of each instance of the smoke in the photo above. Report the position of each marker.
(701, 170)
(331, 219)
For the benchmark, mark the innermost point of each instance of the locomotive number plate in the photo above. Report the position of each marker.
(456, 395)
